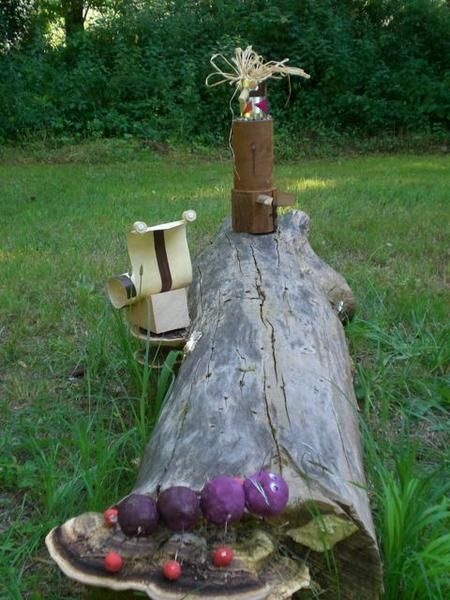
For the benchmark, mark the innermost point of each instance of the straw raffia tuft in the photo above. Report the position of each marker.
(248, 65)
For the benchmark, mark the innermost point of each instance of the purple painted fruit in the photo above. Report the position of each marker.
(179, 506)
(137, 515)
(266, 494)
(222, 500)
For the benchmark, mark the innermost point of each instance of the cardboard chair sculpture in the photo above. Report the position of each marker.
(155, 291)
(254, 198)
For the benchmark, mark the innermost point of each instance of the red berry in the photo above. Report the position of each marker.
(172, 570)
(110, 517)
(223, 556)
(113, 562)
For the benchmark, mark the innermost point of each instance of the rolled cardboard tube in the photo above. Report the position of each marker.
(252, 142)
(121, 290)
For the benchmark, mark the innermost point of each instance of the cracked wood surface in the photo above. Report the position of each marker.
(269, 382)
(266, 384)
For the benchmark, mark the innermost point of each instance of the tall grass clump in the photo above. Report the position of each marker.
(412, 518)
(150, 379)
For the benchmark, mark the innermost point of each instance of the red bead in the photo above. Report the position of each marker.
(172, 570)
(113, 562)
(223, 556)
(110, 517)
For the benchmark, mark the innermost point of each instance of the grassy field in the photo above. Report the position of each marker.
(72, 444)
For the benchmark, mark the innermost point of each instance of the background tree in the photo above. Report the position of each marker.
(16, 18)
(75, 12)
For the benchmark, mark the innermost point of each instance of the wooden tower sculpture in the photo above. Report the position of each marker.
(155, 291)
(254, 198)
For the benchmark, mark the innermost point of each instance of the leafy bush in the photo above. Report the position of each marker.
(378, 66)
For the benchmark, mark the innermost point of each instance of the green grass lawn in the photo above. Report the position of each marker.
(69, 445)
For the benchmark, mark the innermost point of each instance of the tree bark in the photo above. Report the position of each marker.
(73, 11)
(266, 384)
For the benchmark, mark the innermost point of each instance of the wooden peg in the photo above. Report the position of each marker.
(264, 199)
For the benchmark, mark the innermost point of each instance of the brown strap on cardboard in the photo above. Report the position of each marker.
(163, 262)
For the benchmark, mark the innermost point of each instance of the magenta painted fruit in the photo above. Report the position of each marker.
(179, 506)
(137, 515)
(222, 500)
(266, 494)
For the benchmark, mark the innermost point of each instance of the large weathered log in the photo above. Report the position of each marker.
(266, 383)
